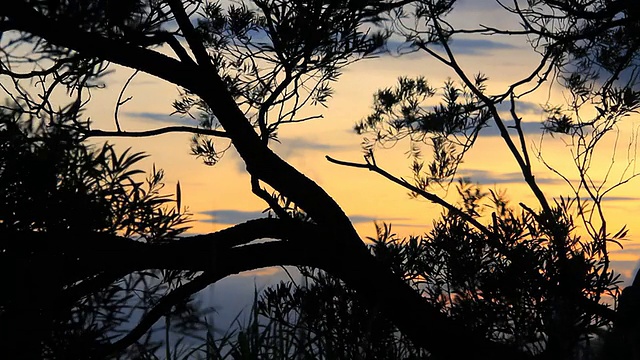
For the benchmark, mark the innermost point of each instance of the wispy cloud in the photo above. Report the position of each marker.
(459, 46)
(521, 107)
(528, 127)
(289, 148)
(613, 198)
(485, 177)
(293, 145)
(478, 46)
(627, 270)
(227, 216)
(358, 219)
(161, 117)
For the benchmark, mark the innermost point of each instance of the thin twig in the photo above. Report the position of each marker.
(427, 195)
(121, 102)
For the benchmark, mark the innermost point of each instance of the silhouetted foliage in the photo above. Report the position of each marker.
(505, 285)
(64, 191)
(327, 320)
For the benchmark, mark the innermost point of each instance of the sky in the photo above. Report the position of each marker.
(220, 196)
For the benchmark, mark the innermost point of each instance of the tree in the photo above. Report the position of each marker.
(242, 66)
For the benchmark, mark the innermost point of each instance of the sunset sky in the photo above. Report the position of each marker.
(220, 196)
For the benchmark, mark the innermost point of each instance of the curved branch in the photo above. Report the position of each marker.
(155, 132)
(24, 18)
(121, 102)
(430, 327)
(4, 70)
(236, 260)
(161, 308)
(98, 257)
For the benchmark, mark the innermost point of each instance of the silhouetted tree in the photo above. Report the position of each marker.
(242, 65)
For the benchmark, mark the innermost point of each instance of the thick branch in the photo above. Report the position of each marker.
(88, 255)
(235, 260)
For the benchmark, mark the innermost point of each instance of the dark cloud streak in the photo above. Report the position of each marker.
(459, 46)
(229, 216)
(162, 118)
(528, 127)
(484, 177)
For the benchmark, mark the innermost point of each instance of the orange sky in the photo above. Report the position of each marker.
(363, 195)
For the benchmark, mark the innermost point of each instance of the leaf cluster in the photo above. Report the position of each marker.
(449, 127)
(275, 57)
(510, 291)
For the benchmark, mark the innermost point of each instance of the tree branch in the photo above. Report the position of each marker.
(235, 260)
(196, 46)
(155, 132)
(121, 102)
(427, 195)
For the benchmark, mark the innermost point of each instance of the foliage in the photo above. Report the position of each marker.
(327, 320)
(55, 184)
(276, 58)
(504, 283)
(450, 128)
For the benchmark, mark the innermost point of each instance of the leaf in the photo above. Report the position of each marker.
(178, 196)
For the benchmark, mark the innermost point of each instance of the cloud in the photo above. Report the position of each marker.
(287, 146)
(528, 127)
(358, 219)
(227, 216)
(162, 118)
(485, 177)
(299, 147)
(627, 269)
(613, 198)
(476, 5)
(477, 46)
(522, 107)
(628, 76)
(459, 46)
